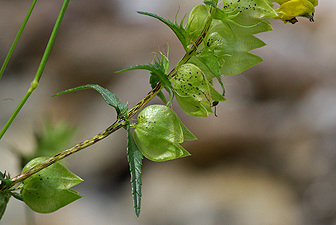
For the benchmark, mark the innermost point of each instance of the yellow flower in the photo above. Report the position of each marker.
(290, 9)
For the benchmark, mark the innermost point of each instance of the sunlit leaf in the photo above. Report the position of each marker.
(109, 97)
(134, 157)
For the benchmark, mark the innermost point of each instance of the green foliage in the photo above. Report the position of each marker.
(134, 157)
(158, 70)
(217, 42)
(49, 189)
(4, 198)
(110, 98)
(5, 195)
(159, 133)
(176, 28)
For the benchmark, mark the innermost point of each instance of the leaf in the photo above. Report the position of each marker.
(153, 80)
(159, 132)
(4, 199)
(225, 49)
(110, 98)
(5, 180)
(49, 189)
(134, 157)
(176, 28)
(159, 69)
(154, 69)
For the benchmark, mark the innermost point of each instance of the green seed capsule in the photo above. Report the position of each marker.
(159, 133)
(193, 91)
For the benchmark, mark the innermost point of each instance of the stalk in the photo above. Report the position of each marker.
(34, 84)
(117, 124)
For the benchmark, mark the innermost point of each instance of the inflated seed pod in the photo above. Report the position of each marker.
(193, 91)
(159, 132)
(196, 21)
(49, 189)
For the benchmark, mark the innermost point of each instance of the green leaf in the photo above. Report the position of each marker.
(159, 70)
(4, 199)
(212, 3)
(109, 97)
(49, 189)
(155, 71)
(176, 28)
(5, 180)
(159, 132)
(134, 157)
(17, 195)
(153, 80)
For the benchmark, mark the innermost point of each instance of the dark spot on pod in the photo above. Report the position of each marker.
(189, 84)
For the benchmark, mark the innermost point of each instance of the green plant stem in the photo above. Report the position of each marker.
(40, 70)
(116, 125)
(16, 40)
(21, 177)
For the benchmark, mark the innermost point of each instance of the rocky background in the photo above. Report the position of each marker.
(267, 159)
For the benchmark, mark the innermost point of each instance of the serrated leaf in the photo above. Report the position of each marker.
(154, 69)
(227, 44)
(49, 189)
(4, 199)
(134, 157)
(110, 98)
(176, 28)
(5, 180)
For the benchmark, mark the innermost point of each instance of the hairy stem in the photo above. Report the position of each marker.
(117, 124)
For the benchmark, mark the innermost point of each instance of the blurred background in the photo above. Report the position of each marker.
(267, 159)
